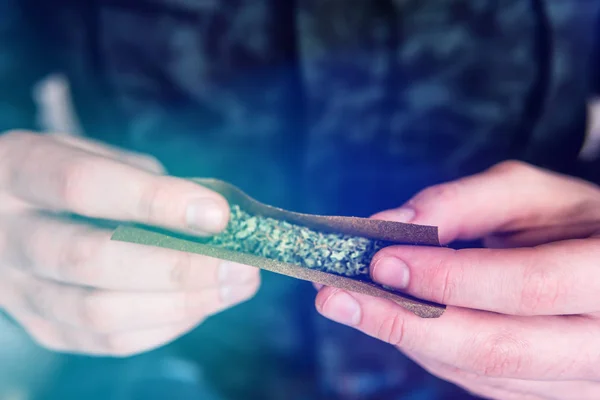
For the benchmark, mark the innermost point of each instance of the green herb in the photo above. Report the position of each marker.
(282, 241)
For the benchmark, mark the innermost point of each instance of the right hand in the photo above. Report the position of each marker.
(71, 287)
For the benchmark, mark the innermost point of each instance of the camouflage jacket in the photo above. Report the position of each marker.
(332, 106)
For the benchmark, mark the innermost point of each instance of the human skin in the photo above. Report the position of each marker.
(72, 288)
(523, 314)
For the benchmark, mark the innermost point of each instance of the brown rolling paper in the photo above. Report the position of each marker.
(333, 251)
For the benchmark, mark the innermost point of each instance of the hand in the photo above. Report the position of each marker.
(68, 284)
(523, 316)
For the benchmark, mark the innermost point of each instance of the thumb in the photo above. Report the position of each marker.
(511, 196)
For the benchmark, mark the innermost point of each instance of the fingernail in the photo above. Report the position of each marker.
(230, 273)
(404, 214)
(205, 215)
(233, 294)
(391, 271)
(342, 308)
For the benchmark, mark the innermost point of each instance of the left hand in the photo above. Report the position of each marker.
(523, 316)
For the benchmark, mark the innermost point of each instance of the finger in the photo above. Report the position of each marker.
(509, 197)
(79, 254)
(125, 344)
(42, 171)
(538, 236)
(142, 161)
(487, 344)
(554, 279)
(109, 312)
(481, 386)
(557, 390)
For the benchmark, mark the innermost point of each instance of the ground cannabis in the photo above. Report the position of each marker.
(282, 241)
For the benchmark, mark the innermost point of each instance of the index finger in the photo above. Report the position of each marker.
(488, 344)
(507, 198)
(50, 174)
(555, 279)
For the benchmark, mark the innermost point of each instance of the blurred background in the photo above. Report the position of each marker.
(425, 90)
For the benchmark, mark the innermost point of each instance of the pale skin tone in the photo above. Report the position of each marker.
(522, 319)
(72, 288)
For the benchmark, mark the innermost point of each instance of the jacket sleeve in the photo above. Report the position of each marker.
(22, 64)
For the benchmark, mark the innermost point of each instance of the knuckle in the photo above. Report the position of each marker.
(445, 278)
(96, 313)
(391, 330)
(151, 205)
(181, 270)
(35, 250)
(72, 181)
(445, 192)
(540, 291)
(75, 257)
(500, 355)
